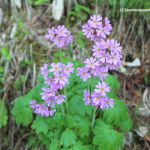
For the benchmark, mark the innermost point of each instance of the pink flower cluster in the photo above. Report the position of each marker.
(61, 36)
(50, 94)
(95, 29)
(106, 56)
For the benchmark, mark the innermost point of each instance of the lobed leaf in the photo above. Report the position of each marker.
(107, 138)
(68, 138)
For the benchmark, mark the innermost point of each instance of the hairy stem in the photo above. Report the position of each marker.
(66, 101)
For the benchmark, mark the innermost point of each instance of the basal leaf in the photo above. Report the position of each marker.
(77, 106)
(117, 114)
(40, 124)
(126, 124)
(56, 121)
(22, 110)
(3, 114)
(107, 138)
(112, 81)
(68, 138)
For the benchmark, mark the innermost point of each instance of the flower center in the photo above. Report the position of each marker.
(50, 80)
(87, 97)
(66, 37)
(112, 57)
(106, 45)
(102, 73)
(52, 90)
(58, 39)
(94, 70)
(104, 56)
(95, 21)
(45, 71)
(42, 107)
(60, 77)
(112, 64)
(67, 69)
(61, 31)
(84, 73)
(102, 30)
(51, 100)
(89, 30)
(51, 33)
(59, 97)
(91, 64)
(102, 89)
(107, 102)
(99, 49)
(98, 97)
(56, 68)
(114, 47)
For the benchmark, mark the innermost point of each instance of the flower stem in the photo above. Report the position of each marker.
(93, 118)
(60, 56)
(63, 111)
(92, 84)
(65, 91)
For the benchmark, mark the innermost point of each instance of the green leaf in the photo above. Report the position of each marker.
(81, 123)
(17, 84)
(22, 110)
(57, 54)
(107, 138)
(40, 124)
(56, 121)
(3, 114)
(40, 78)
(68, 138)
(28, 62)
(51, 138)
(77, 106)
(112, 81)
(5, 51)
(126, 124)
(8, 57)
(1, 69)
(23, 77)
(117, 114)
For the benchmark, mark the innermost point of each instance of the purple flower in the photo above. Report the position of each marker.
(95, 20)
(60, 99)
(95, 71)
(61, 31)
(50, 34)
(61, 78)
(44, 94)
(44, 70)
(97, 48)
(41, 109)
(50, 100)
(107, 23)
(49, 111)
(103, 88)
(115, 46)
(84, 73)
(86, 97)
(108, 102)
(96, 98)
(68, 38)
(33, 106)
(103, 31)
(103, 57)
(91, 63)
(87, 30)
(113, 59)
(59, 41)
(48, 81)
(67, 69)
(102, 73)
(55, 68)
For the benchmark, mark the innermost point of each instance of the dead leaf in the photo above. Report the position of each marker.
(135, 63)
(147, 138)
(57, 9)
(143, 130)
